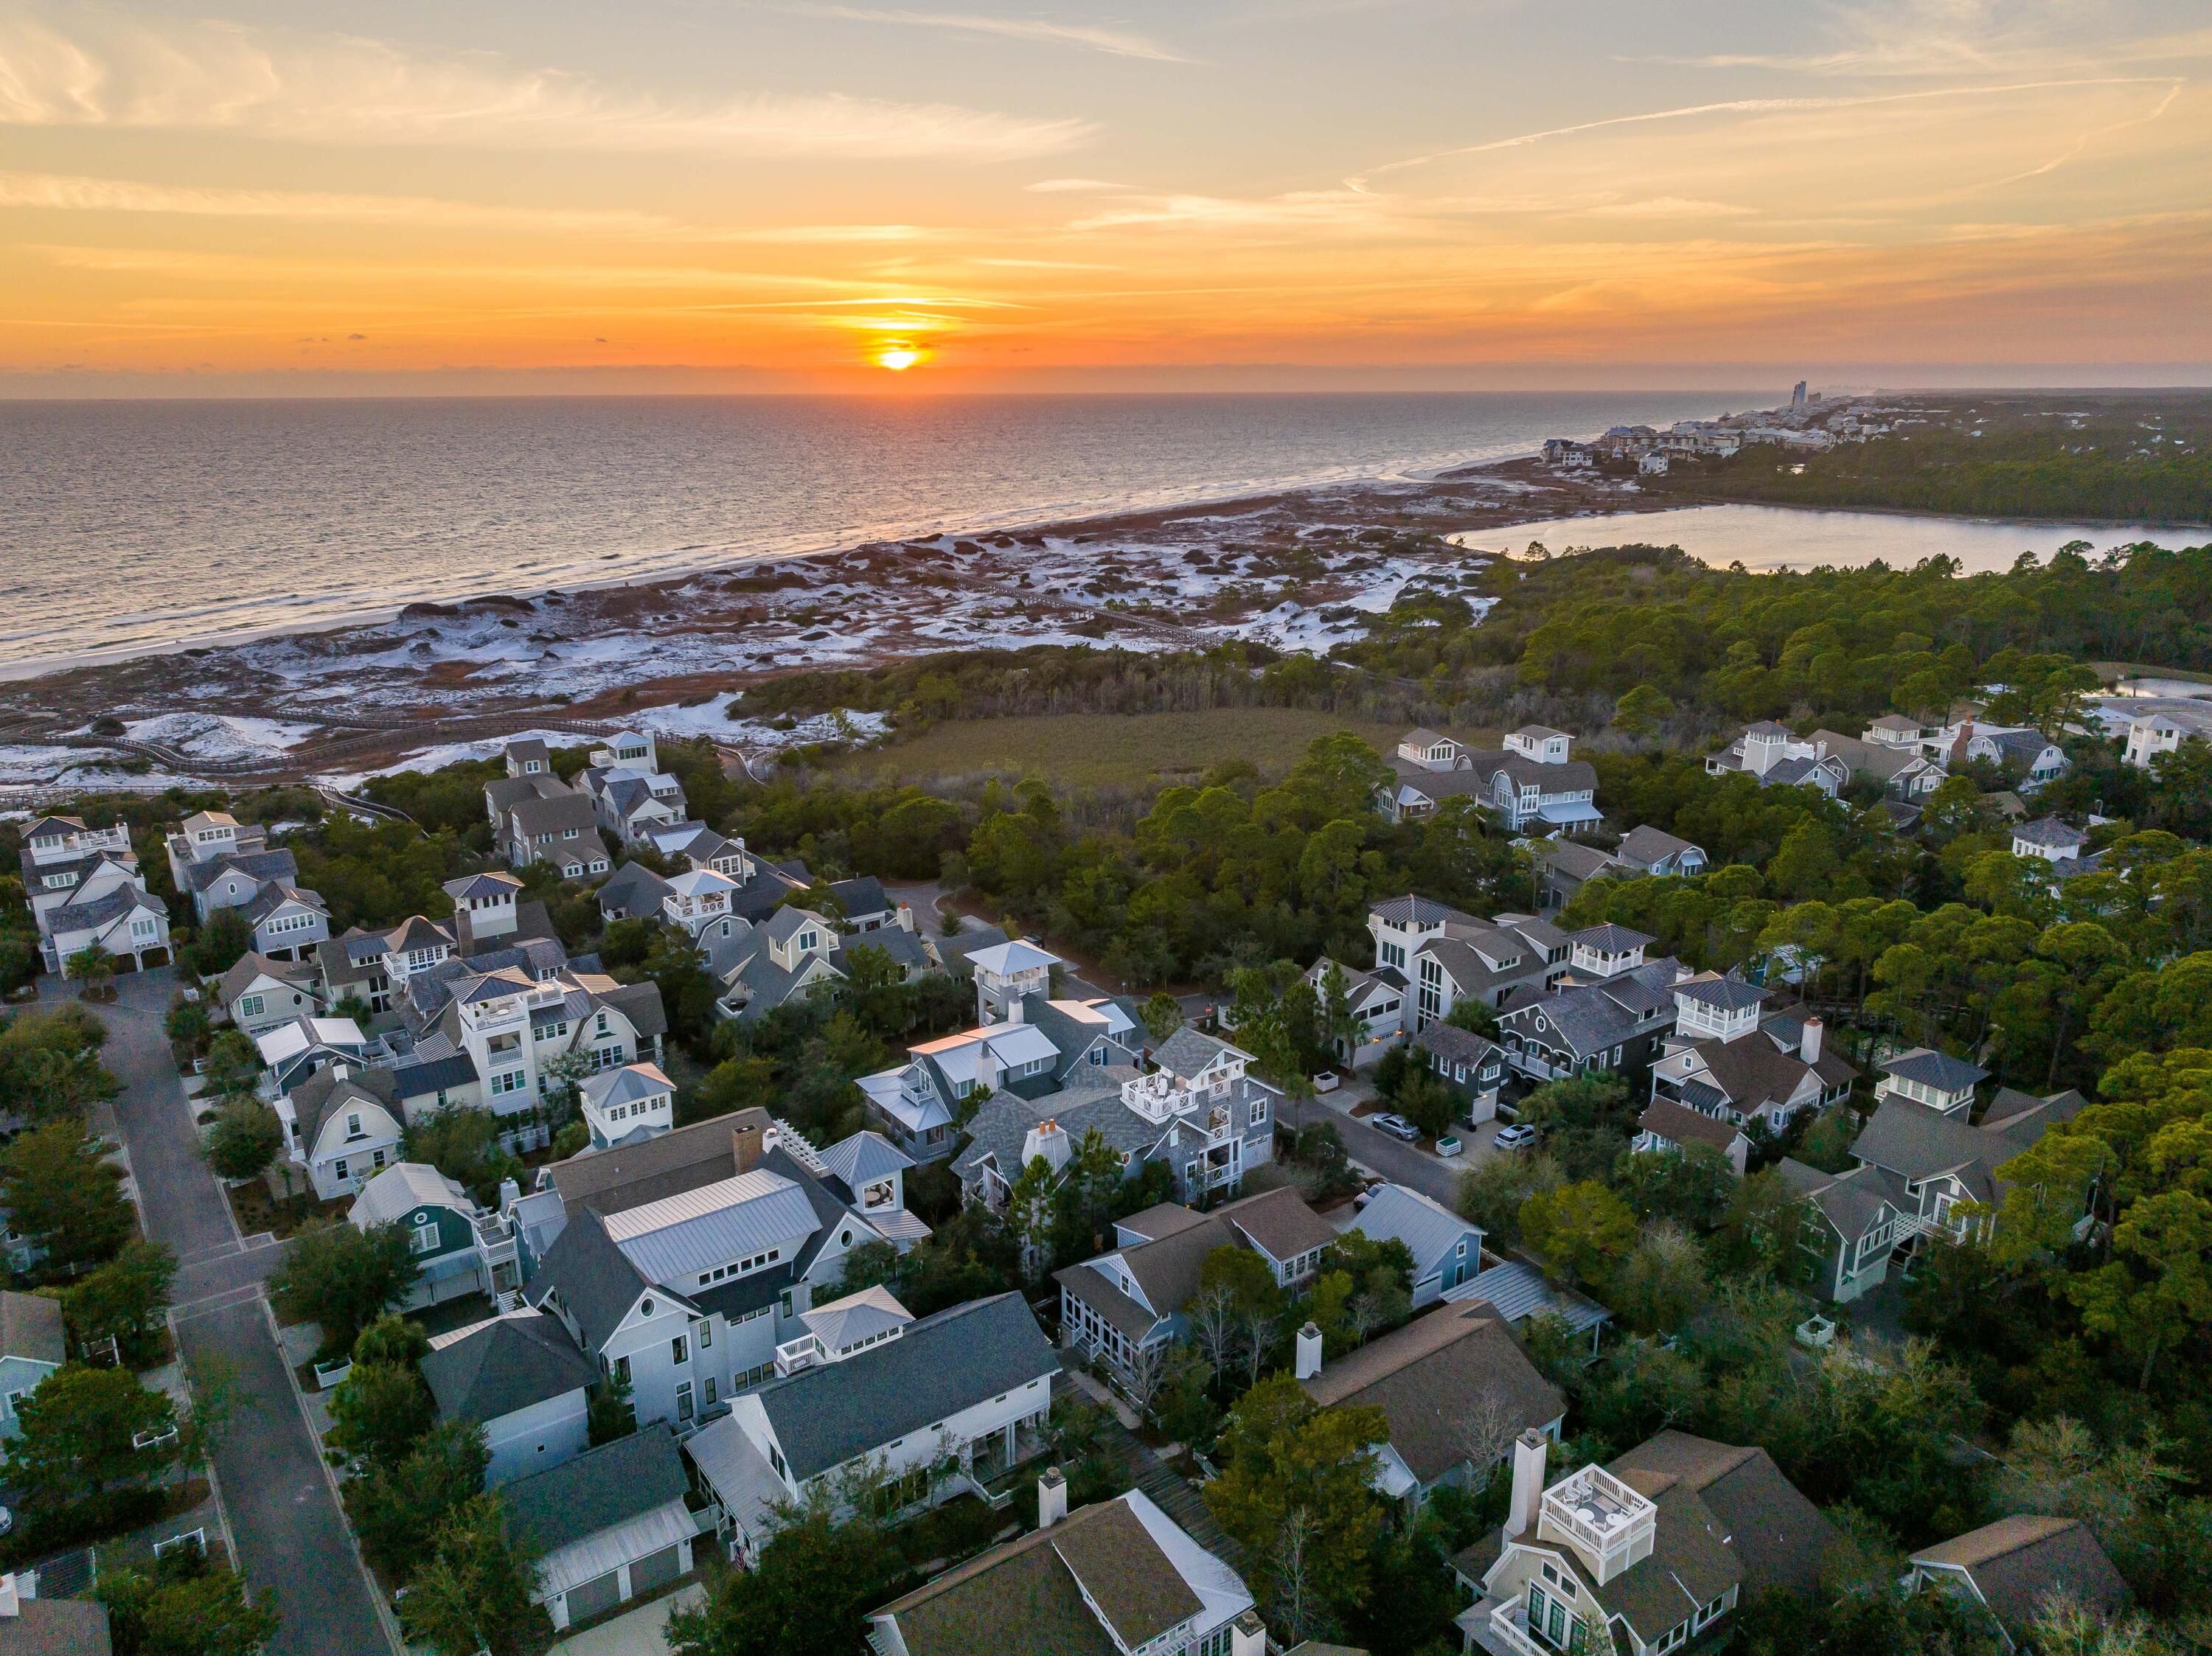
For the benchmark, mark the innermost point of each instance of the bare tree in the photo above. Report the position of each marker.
(1485, 1430)
(1295, 1615)
(1257, 1331)
(1213, 1319)
(1363, 1314)
(1143, 1374)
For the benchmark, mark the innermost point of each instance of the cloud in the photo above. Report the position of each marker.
(1118, 43)
(1072, 186)
(1671, 206)
(63, 192)
(103, 71)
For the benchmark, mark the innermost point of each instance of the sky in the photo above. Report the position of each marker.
(424, 195)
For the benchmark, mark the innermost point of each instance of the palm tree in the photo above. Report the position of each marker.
(93, 967)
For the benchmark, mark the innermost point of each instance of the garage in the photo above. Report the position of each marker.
(615, 1522)
(656, 1570)
(589, 1599)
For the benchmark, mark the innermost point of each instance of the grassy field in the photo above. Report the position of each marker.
(1108, 750)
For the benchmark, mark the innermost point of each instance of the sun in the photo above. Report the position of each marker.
(896, 356)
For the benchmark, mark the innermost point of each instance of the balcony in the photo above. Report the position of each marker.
(1502, 1629)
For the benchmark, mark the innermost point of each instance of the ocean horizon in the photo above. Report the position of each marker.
(135, 526)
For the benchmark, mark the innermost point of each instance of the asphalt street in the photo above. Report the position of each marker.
(284, 1519)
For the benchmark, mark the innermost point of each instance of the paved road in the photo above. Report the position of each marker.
(286, 1523)
(1393, 1158)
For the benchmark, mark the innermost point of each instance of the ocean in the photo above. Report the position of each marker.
(132, 526)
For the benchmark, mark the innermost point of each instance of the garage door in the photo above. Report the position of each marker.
(600, 1593)
(652, 1570)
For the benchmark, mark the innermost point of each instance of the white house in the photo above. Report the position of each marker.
(85, 891)
(1534, 782)
(1445, 956)
(1770, 754)
(340, 1128)
(261, 994)
(2052, 840)
(2162, 731)
(1377, 1002)
(637, 1100)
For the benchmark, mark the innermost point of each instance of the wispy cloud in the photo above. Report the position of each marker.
(1073, 187)
(1091, 37)
(100, 70)
(1671, 206)
(63, 192)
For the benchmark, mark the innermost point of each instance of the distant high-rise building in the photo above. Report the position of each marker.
(1797, 397)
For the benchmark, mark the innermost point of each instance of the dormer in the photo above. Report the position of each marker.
(210, 833)
(628, 751)
(1431, 751)
(1610, 1526)
(1539, 743)
(489, 901)
(795, 935)
(844, 1328)
(415, 946)
(529, 757)
(1607, 951)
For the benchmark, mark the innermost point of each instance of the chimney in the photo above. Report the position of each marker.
(1248, 1635)
(1309, 1352)
(1809, 1041)
(509, 1194)
(745, 1146)
(1528, 1452)
(1048, 1139)
(1052, 1498)
(13, 1589)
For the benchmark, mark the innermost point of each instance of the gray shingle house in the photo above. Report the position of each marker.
(32, 1347)
(608, 1525)
(521, 1378)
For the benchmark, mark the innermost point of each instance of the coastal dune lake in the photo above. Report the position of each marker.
(1794, 538)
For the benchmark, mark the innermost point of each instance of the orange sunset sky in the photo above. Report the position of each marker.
(428, 195)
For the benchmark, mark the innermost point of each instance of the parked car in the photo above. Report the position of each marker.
(1520, 1136)
(1327, 1081)
(1396, 1125)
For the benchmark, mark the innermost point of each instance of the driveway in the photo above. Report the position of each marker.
(285, 1522)
(1393, 1158)
(640, 1632)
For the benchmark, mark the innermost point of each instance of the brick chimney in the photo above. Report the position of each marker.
(745, 1145)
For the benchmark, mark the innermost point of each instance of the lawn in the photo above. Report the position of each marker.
(1109, 749)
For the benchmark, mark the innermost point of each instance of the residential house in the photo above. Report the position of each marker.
(457, 1246)
(1932, 1166)
(1770, 755)
(536, 817)
(1199, 1111)
(1659, 853)
(86, 892)
(1446, 956)
(1447, 1250)
(1377, 1000)
(1907, 775)
(968, 1389)
(778, 962)
(1517, 1291)
(2162, 727)
(261, 994)
(1532, 782)
(1564, 867)
(520, 1378)
(1857, 1225)
(631, 795)
(32, 1346)
(295, 1051)
(32, 1626)
(608, 1526)
(1932, 1080)
(1119, 1576)
(1667, 1126)
(1729, 1060)
(1474, 1067)
(867, 907)
(2015, 1567)
(1129, 1301)
(681, 1262)
(2054, 841)
(1612, 1011)
(1455, 1388)
(621, 1106)
(1643, 1556)
(760, 887)
(342, 1128)
(2029, 759)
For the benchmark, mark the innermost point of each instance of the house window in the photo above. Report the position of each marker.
(338, 1167)
(507, 1081)
(425, 1238)
(353, 1125)
(679, 1350)
(710, 1390)
(251, 1006)
(622, 1371)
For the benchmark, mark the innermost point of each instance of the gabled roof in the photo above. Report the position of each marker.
(31, 1328)
(1777, 1536)
(1429, 1230)
(415, 932)
(2050, 831)
(1644, 845)
(1187, 1052)
(599, 1488)
(1457, 1046)
(862, 895)
(1680, 1125)
(510, 1362)
(1426, 1375)
(627, 1085)
(1724, 994)
(239, 979)
(2018, 1564)
(823, 1416)
(613, 1180)
(596, 1281)
(403, 1188)
(1279, 1222)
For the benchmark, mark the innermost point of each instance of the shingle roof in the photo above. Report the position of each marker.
(402, 1188)
(1726, 994)
(612, 1180)
(31, 1328)
(2017, 1563)
(2050, 831)
(1457, 1046)
(236, 981)
(1426, 1375)
(1187, 1052)
(1778, 1536)
(1644, 845)
(599, 1488)
(825, 1415)
(508, 1363)
(1413, 909)
(1123, 1572)
(56, 1627)
(596, 1281)
(1934, 1069)
(1681, 1126)
(1280, 1222)
(1611, 939)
